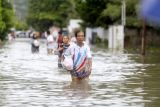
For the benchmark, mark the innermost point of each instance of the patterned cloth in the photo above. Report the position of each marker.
(79, 56)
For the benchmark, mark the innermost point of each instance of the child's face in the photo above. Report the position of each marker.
(65, 39)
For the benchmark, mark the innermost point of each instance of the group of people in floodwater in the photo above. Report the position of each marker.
(74, 54)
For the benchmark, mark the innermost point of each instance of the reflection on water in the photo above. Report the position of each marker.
(78, 91)
(33, 80)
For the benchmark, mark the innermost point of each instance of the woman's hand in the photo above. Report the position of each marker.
(89, 64)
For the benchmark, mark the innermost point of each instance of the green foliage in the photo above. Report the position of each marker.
(133, 22)
(2, 24)
(132, 19)
(20, 25)
(105, 12)
(90, 11)
(113, 11)
(6, 18)
(46, 13)
(102, 43)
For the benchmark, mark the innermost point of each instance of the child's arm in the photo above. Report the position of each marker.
(56, 52)
(60, 48)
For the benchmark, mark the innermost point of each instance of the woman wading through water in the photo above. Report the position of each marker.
(78, 58)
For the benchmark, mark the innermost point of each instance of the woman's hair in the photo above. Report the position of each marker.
(77, 31)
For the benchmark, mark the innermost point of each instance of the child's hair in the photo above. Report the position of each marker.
(34, 36)
(66, 36)
(48, 32)
(60, 32)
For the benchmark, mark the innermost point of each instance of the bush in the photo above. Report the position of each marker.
(21, 25)
(102, 43)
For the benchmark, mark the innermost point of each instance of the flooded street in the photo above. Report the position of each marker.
(33, 80)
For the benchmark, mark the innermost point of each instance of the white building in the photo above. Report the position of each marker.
(116, 38)
(73, 24)
(100, 32)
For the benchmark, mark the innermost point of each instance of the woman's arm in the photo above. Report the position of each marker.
(90, 64)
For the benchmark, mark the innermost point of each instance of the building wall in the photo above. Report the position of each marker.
(73, 24)
(92, 33)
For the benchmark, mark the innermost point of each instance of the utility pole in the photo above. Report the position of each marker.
(123, 13)
(143, 45)
(123, 18)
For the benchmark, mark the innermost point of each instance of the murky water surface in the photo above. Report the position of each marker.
(33, 80)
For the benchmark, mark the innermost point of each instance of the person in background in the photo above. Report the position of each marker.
(11, 36)
(50, 43)
(55, 34)
(35, 43)
(78, 58)
(73, 39)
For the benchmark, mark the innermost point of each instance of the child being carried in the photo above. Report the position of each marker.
(61, 50)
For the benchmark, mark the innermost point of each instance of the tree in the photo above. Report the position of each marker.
(106, 12)
(90, 11)
(2, 24)
(6, 18)
(113, 12)
(132, 14)
(46, 13)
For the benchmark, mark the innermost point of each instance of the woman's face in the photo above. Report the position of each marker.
(65, 39)
(80, 37)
